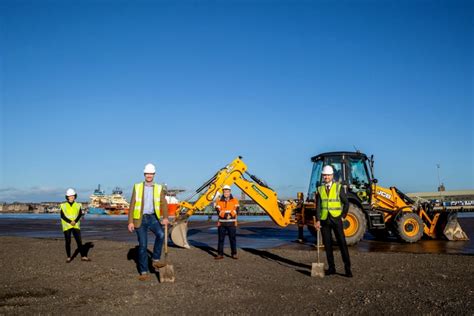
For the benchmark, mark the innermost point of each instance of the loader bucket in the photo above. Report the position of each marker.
(179, 234)
(453, 230)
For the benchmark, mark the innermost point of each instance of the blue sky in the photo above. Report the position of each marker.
(91, 91)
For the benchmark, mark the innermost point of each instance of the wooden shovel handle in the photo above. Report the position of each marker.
(318, 236)
(166, 239)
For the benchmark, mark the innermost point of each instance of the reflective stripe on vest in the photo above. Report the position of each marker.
(137, 211)
(71, 212)
(331, 203)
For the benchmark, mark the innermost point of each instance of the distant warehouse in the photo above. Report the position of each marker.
(449, 198)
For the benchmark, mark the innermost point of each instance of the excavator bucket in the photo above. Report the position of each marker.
(179, 234)
(453, 230)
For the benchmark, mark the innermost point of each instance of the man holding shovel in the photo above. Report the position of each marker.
(333, 205)
(147, 206)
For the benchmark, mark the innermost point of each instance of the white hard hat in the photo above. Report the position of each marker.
(328, 170)
(70, 192)
(149, 168)
(226, 187)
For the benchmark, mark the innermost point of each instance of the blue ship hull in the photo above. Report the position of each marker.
(96, 210)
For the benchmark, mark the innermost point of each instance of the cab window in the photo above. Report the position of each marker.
(315, 180)
(358, 180)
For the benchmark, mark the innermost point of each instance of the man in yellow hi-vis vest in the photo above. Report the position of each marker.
(147, 206)
(333, 205)
(71, 214)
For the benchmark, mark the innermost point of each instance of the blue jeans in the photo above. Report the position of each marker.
(149, 221)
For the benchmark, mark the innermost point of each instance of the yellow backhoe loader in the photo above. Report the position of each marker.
(382, 211)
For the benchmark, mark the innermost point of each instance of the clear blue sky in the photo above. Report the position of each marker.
(91, 91)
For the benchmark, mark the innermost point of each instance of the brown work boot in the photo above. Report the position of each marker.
(218, 257)
(234, 257)
(158, 264)
(144, 277)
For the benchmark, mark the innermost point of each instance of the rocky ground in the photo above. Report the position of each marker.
(36, 280)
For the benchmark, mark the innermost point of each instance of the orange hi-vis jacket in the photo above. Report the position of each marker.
(227, 211)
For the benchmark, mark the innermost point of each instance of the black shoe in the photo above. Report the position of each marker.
(348, 274)
(330, 271)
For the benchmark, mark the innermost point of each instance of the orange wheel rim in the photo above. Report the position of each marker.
(351, 225)
(411, 227)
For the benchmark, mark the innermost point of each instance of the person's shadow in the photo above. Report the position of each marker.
(85, 247)
(206, 248)
(300, 267)
(133, 255)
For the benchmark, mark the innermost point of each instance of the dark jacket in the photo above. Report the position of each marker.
(344, 202)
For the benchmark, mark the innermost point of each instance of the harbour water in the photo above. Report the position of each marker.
(257, 232)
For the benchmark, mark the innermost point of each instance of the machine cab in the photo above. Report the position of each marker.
(350, 169)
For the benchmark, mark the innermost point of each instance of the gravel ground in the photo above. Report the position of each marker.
(36, 280)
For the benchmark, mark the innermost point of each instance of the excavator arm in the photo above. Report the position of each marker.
(212, 187)
(267, 199)
(233, 173)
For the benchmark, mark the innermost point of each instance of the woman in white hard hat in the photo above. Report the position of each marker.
(71, 214)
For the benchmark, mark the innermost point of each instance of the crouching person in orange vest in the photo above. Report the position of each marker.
(71, 214)
(227, 207)
(147, 206)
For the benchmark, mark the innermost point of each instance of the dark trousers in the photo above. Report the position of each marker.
(301, 232)
(335, 225)
(231, 231)
(77, 237)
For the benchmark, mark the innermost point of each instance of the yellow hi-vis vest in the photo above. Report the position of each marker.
(71, 212)
(138, 199)
(330, 203)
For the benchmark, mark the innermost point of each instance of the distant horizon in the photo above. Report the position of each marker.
(127, 197)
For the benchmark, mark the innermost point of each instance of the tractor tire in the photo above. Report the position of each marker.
(409, 227)
(354, 225)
